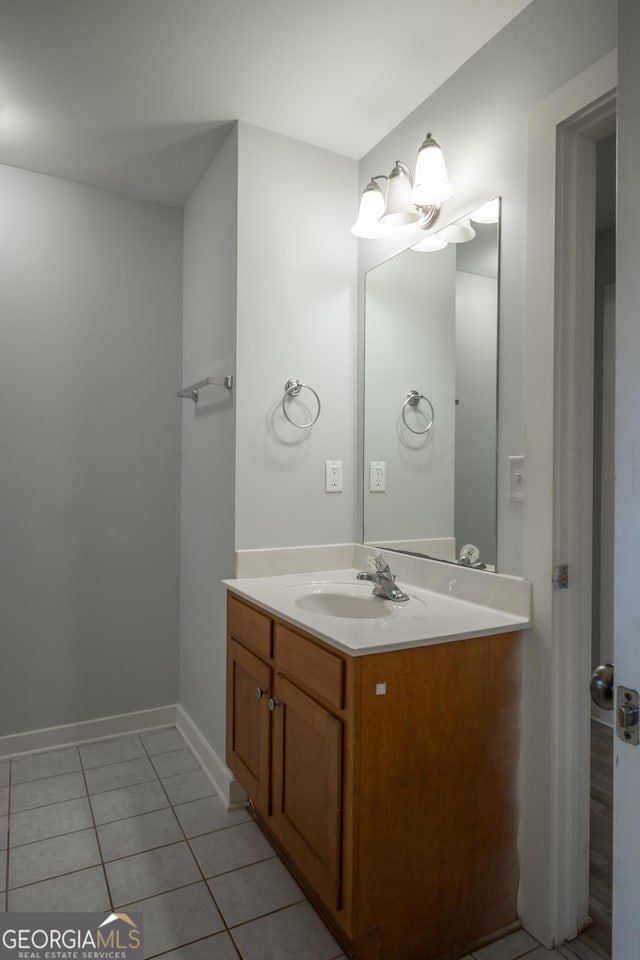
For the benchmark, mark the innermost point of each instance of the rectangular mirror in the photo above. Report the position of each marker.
(430, 396)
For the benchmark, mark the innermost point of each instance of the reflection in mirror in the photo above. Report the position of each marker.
(430, 403)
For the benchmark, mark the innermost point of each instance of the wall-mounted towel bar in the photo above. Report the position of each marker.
(292, 388)
(413, 399)
(193, 392)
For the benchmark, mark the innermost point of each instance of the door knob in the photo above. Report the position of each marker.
(602, 686)
(272, 704)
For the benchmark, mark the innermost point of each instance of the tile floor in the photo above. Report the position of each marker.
(134, 823)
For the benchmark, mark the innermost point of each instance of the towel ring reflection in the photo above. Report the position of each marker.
(413, 399)
(292, 388)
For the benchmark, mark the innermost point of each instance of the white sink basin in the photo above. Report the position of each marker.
(347, 605)
(336, 607)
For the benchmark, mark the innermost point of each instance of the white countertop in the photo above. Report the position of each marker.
(428, 617)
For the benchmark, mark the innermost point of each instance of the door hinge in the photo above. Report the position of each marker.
(560, 576)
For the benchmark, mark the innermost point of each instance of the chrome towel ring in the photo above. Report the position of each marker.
(413, 399)
(292, 388)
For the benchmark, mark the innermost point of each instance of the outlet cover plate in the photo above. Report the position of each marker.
(377, 476)
(333, 476)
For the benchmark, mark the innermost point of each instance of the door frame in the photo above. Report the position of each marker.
(557, 512)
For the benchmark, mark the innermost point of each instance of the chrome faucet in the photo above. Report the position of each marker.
(383, 580)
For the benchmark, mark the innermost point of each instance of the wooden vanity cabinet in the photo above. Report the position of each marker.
(249, 684)
(387, 781)
(307, 788)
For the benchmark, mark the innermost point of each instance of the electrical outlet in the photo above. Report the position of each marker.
(516, 478)
(377, 476)
(333, 476)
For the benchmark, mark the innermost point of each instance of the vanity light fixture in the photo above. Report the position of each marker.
(459, 232)
(406, 202)
(430, 244)
(489, 212)
(399, 208)
(368, 225)
(431, 183)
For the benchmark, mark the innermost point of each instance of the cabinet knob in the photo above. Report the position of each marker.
(272, 704)
(260, 693)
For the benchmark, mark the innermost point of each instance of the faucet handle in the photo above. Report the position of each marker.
(379, 566)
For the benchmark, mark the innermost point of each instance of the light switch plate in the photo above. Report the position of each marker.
(516, 478)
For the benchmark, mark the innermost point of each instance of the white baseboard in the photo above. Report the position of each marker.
(140, 721)
(70, 734)
(223, 780)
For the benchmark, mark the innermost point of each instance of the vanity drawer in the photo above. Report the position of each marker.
(249, 627)
(313, 667)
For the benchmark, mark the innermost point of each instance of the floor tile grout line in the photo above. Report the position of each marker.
(160, 893)
(159, 846)
(228, 929)
(81, 767)
(269, 913)
(124, 786)
(97, 836)
(164, 953)
(57, 876)
(518, 956)
(47, 776)
(92, 866)
(205, 879)
(226, 873)
(191, 851)
(40, 806)
(31, 754)
(55, 836)
(43, 806)
(6, 866)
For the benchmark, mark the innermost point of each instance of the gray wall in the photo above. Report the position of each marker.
(273, 283)
(208, 441)
(479, 116)
(90, 288)
(296, 318)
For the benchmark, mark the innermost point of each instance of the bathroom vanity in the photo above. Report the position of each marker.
(383, 769)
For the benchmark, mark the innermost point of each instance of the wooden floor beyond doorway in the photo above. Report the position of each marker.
(595, 942)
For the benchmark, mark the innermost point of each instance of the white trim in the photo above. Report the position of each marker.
(141, 721)
(71, 734)
(218, 772)
(573, 501)
(552, 771)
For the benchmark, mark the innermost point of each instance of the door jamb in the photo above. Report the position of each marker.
(554, 782)
(573, 485)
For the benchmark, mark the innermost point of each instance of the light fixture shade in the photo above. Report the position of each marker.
(488, 213)
(399, 209)
(430, 244)
(371, 209)
(431, 182)
(459, 232)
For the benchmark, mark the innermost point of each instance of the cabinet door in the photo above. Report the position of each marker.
(307, 787)
(249, 723)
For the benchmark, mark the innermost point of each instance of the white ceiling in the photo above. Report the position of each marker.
(137, 95)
